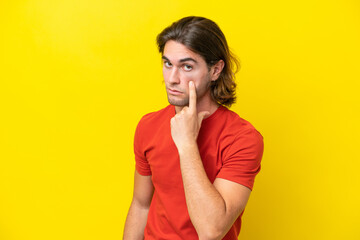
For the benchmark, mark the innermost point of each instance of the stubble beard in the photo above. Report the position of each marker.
(185, 101)
(179, 102)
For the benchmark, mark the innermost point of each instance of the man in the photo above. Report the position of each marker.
(196, 161)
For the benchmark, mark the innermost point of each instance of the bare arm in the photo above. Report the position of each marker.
(139, 208)
(213, 208)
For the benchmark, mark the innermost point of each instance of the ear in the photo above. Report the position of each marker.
(216, 69)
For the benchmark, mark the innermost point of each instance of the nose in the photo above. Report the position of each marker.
(174, 76)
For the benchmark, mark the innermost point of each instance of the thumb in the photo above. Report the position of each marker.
(202, 115)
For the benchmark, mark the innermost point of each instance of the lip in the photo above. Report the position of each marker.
(174, 92)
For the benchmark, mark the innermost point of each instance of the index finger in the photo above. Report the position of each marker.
(192, 96)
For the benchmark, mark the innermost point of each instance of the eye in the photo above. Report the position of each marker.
(188, 67)
(167, 64)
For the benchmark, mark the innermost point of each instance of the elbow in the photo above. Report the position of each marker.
(211, 234)
(208, 238)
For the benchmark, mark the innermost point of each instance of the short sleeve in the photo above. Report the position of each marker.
(242, 160)
(142, 165)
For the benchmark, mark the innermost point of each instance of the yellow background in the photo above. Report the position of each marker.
(76, 77)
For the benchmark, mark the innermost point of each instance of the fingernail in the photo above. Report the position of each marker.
(191, 83)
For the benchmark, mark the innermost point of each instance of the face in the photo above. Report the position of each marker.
(181, 65)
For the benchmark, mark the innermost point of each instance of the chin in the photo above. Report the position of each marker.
(178, 102)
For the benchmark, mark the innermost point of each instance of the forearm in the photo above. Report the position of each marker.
(135, 222)
(205, 205)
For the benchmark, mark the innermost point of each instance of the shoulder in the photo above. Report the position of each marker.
(156, 118)
(236, 124)
(238, 129)
(151, 123)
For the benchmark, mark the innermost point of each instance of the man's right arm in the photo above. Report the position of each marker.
(138, 212)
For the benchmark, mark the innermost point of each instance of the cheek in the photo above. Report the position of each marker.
(186, 77)
(199, 78)
(191, 76)
(166, 74)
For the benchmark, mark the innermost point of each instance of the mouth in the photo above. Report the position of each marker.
(174, 92)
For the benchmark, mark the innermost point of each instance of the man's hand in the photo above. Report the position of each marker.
(186, 124)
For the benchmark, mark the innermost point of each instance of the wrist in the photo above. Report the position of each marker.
(187, 147)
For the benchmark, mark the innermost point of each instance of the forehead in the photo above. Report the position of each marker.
(175, 51)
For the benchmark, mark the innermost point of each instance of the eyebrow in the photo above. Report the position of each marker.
(181, 60)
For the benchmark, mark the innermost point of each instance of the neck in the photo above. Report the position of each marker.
(210, 107)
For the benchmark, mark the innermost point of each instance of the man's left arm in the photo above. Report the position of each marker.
(213, 208)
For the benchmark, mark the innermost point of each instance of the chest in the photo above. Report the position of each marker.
(162, 155)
